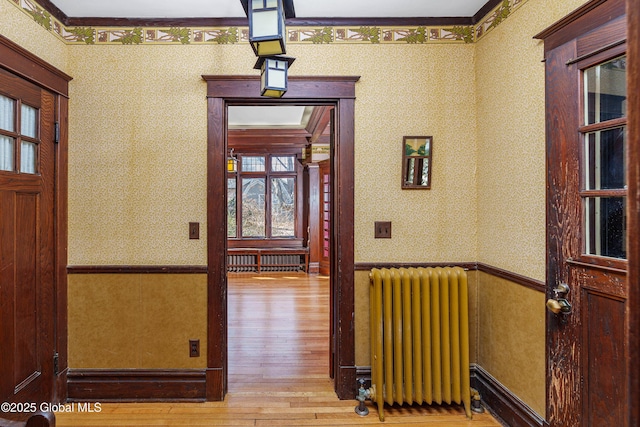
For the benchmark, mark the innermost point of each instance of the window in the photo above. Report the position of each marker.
(261, 200)
(18, 136)
(604, 193)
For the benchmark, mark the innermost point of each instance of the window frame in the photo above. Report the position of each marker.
(297, 174)
(18, 137)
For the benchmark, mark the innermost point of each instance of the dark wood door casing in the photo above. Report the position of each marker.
(340, 93)
(633, 274)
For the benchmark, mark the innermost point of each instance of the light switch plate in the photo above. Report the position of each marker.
(194, 230)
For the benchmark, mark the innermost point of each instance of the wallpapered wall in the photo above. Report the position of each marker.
(137, 172)
(511, 139)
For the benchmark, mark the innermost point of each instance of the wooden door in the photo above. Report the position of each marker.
(587, 235)
(26, 241)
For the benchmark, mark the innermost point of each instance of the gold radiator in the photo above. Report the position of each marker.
(419, 337)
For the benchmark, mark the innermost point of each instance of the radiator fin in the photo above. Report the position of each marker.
(420, 336)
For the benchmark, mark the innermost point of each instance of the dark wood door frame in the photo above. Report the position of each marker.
(633, 274)
(339, 92)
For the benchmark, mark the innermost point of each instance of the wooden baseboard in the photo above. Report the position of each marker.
(503, 404)
(136, 385)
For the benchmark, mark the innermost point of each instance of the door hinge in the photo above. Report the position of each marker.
(56, 135)
(56, 368)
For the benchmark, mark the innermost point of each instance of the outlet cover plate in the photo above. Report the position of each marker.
(382, 229)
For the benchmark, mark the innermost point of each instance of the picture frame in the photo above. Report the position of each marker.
(417, 154)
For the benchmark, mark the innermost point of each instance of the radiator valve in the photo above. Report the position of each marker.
(476, 403)
(363, 394)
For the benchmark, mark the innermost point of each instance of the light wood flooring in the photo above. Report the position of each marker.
(278, 337)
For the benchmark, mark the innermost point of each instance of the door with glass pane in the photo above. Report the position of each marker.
(586, 221)
(26, 241)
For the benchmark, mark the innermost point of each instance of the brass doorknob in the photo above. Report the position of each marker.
(560, 305)
(554, 306)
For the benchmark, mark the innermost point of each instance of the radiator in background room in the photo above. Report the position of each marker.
(419, 337)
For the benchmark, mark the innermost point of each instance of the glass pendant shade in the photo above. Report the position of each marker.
(266, 27)
(273, 77)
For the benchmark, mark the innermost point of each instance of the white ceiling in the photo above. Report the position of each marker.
(303, 8)
(280, 116)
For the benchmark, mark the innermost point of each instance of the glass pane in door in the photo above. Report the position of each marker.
(6, 153)
(28, 157)
(605, 91)
(605, 226)
(7, 114)
(604, 159)
(29, 121)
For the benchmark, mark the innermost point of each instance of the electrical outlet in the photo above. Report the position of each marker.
(194, 348)
(382, 230)
(194, 230)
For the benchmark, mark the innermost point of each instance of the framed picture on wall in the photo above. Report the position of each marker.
(416, 162)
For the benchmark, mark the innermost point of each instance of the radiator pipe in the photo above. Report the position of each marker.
(476, 403)
(363, 394)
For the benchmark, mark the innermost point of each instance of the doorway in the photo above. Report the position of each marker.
(340, 93)
(278, 313)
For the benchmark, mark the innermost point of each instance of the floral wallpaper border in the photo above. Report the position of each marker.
(233, 35)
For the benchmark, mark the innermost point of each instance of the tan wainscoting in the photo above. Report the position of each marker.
(136, 320)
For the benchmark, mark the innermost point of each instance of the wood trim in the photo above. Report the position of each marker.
(137, 269)
(323, 90)
(499, 400)
(577, 23)
(503, 404)
(295, 243)
(299, 87)
(266, 140)
(484, 11)
(136, 385)
(61, 242)
(240, 22)
(365, 266)
(342, 246)
(24, 63)
(536, 285)
(633, 208)
(596, 52)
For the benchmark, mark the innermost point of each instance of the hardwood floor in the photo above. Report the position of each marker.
(278, 369)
